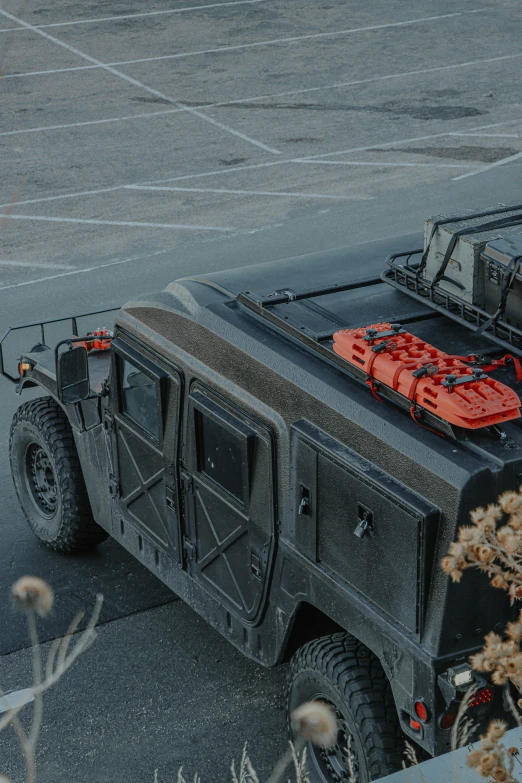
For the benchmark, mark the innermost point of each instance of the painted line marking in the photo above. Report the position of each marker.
(140, 15)
(489, 135)
(278, 94)
(81, 193)
(270, 42)
(141, 85)
(381, 163)
(85, 270)
(91, 122)
(252, 166)
(410, 140)
(239, 101)
(494, 165)
(35, 264)
(247, 192)
(131, 223)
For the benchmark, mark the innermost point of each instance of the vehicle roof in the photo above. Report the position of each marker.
(200, 318)
(200, 298)
(317, 270)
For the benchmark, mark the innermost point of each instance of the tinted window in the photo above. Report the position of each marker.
(139, 398)
(220, 455)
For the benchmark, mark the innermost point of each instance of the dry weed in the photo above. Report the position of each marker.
(34, 597)
(491, 759)
(312, 722)
(493, 544)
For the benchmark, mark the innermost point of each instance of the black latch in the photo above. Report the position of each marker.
(374, 334)
(387, 345)
(190, 549)
(494, 274)
(426, 369)
(450, 381)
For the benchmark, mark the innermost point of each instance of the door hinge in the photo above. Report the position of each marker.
(255, 566)
(108, 422)
(114, 488)
(187, 481)
(170, 498)
(190, 549)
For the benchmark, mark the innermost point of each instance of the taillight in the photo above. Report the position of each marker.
(447, 720)
(415, 725)
(482, 697)
(421, 711)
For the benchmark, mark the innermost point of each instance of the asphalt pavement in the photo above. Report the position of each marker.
(144, 143)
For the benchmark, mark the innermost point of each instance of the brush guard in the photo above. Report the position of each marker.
(41, 326)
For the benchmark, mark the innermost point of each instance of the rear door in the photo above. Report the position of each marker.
(145, 423)
(229, 487)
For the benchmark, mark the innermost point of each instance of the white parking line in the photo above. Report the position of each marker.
(253, 166)
(140, 15)
(269, 96)
(90, 122)
(501, 162)
(418, 71)
(248, 192)
(382, 163)
(34, 264)
(130, 223)
(254, 44)
(79, 193)
(86, 270)
(141, 85)
(412, 139)
(489, 135)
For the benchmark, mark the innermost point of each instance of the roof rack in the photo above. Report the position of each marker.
(403, 275)
(320, 343)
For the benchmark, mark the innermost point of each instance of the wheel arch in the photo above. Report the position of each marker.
(71, 411)
(308, 623)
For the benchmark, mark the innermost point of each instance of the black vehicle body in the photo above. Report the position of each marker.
(263, 545)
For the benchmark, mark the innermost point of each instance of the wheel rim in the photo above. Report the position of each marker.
(41, 480)
(333, 761)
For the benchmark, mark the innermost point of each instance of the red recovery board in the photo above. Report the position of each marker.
(445, 385)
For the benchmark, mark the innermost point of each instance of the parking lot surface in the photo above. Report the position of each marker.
(141, 143)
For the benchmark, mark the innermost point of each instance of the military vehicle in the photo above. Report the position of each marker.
(299, 503)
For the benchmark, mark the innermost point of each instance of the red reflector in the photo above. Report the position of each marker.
(421, 711)
(484, 696)
(415, 725)
(447, 720)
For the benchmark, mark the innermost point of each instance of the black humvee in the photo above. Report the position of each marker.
(222, 442)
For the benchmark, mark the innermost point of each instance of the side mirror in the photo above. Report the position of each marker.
(72, 375)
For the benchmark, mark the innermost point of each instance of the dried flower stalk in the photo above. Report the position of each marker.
(490, 546)
(491, 759)
(34, 597)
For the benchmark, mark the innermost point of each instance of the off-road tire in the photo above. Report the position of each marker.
(61, 516)
(343, 672)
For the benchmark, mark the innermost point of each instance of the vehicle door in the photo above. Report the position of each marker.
(229, 485)
(145, 412)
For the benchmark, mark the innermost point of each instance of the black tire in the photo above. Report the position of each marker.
(48, 478)
(342, 672)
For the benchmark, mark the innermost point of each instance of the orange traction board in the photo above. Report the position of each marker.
(431, 379)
